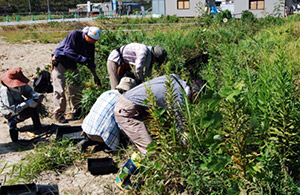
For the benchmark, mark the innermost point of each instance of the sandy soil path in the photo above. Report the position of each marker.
(77, 179)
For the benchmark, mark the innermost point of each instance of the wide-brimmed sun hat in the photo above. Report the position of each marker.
(14, 77)
(126, 83)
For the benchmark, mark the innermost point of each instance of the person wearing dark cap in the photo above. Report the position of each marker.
(133, 56)
(77, 47)
(18, 101)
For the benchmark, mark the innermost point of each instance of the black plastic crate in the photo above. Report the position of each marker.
(101, 166)
(24, 189)
(70, 132)
(47, 189)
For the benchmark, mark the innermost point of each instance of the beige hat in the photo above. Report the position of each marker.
(126, 83)
(14, 77)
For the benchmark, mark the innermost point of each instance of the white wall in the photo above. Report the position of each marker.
(241, 5)
(171, 8)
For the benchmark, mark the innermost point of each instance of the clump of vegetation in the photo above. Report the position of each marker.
(54, 156)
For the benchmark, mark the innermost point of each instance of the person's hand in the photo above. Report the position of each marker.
(31, 103)
(97, 81)
(88, 60)
(138, 81)
(38, 98)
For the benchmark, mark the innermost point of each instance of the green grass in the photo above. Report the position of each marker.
(53, 156)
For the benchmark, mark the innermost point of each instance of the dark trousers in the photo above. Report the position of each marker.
(25, 114)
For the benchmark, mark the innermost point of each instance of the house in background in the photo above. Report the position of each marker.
(262, 8)
(181, 8)
(189, 8)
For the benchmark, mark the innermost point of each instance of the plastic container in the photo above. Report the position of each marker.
(101, 166)
(47, 189)
(70, 132)
(24, 189)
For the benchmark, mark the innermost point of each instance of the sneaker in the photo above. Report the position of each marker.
(126, 186)
(14, 134)
(83, 144)
(76, 115)
(60, 117)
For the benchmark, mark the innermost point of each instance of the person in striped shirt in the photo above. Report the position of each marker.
(134, 59)
(99, 126)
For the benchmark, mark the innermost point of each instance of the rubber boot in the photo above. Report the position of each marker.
(36, 121)
(124, 174)
(14, 134)
(13, 130)
(83, 144)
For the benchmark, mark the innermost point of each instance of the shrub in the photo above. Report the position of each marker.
(247, 16)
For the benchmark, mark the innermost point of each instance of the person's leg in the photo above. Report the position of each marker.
(129, 118)
(59, 98)
(89, 141)
(36, 120)
(13, 130)
(75, 96)
(113, 76)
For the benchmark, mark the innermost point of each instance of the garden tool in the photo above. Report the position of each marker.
(124, 174)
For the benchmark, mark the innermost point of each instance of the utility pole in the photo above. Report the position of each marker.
(48, 6)
(29, 6)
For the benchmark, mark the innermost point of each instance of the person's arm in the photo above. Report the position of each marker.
(96, 78)
(71, 42)
(140, 63)
(7, 108)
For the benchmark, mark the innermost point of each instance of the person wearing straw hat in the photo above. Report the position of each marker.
(133, 56)
(99, 126)
(18, 101)
(77, 47)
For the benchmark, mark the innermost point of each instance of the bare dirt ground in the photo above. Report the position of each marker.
(76, 179)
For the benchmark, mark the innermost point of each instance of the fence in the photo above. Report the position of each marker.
(16, 17)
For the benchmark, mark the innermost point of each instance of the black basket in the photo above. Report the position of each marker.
(70, 132)
(101, 166)
(47, 190)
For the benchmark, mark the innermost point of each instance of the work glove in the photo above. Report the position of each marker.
(31, 103)
(138, 81)
(38, 98)
(97, 81)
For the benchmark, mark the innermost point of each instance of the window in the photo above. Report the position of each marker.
(183, 4)
(254, 4)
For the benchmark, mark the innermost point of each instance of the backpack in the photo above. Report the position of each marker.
(42, 84)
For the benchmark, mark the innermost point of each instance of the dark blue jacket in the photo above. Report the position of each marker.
(74, 49)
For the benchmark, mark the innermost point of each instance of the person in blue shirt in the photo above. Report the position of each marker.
(77, 47)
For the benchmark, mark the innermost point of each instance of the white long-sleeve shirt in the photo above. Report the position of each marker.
(12, 101)
(136, 54)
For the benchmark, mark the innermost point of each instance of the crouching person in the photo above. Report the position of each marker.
(18, 101)
(99, 125)
(130, 113)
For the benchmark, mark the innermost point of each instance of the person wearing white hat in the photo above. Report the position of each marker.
(136, 56)
(99, 126)
(77, 47)
(13, 106)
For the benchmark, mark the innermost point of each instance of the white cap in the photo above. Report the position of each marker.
(93, 32)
